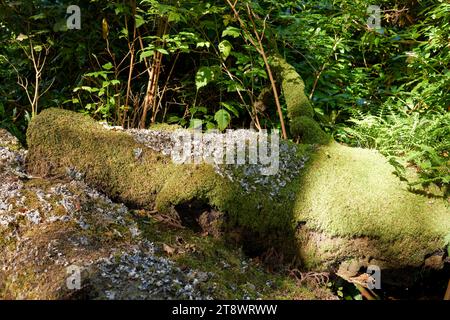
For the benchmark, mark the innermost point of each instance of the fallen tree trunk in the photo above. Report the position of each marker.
(326, 205)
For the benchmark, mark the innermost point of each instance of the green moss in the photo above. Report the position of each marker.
(300, 110)
(164, 127)
(309, 131)
(347, 202)
(351, 192)
(59, 139)
(107, 159)
(293, 89)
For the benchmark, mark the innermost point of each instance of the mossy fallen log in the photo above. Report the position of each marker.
(300, 111)
(54, 230)
(336, 204)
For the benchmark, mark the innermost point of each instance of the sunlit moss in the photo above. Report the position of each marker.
(346, 202)
(352, 193)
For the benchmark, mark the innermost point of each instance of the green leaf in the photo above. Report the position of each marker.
(230, 108)
(233, 86)
(124, 32)
(206, 75)
(162, 50)
(139, 20)
(38, 16)
(107, 66)
(85, 88)
(174, 17)
(173, 119)
(225, 48)
(60, 25)
(210, 126)
(232, 32)
(195, 124)
(146, 54)
(194, 110)
(202, 44)
(222, 118)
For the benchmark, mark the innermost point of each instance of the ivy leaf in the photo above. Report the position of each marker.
(222, 118)
(225, 48)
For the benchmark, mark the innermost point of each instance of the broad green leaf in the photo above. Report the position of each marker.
(225, 48)
(232, 32)
(230, 107)
(60, 25)
(202, 44)
(194, 110)
(107, 66)
(162, 50)
(195, 124)
(206, 75)
(146, 54)
(173, 119)
(210, 126)
(139, 20)
(222, 118)
(174, 16)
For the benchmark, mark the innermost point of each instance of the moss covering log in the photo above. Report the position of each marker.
(345, 204)
(300, 110)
